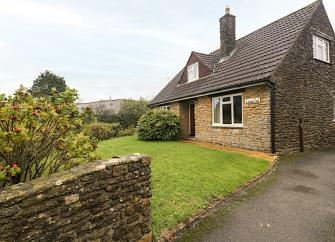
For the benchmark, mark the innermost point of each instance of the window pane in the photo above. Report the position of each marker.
(314, 47)
(237, 109)
(319, 54)
(226, 113)
(190, 73)
(326, 51)
(216, 110)
(193, 72)
(196, 71)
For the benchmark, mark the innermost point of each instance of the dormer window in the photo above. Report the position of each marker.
(320, 49)
(193, 72)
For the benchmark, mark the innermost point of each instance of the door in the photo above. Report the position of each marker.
(192, 119)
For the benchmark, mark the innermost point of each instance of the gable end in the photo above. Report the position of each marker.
(203, 69)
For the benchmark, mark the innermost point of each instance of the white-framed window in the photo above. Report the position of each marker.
(321, 49)
(193, 72)
(227, 111)
(167, 107)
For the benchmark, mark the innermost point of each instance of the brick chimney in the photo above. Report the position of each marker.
(227, 33)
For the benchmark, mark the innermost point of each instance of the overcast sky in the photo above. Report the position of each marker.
(115, 48)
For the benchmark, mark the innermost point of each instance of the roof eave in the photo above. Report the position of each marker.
(227, 89)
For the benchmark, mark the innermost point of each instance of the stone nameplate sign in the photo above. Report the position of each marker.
(255, 100)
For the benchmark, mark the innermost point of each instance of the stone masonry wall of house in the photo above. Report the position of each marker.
(182, 110)
(100, 201)
(303, 91)
(256, 131)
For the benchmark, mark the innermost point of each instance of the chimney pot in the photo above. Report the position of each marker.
(227, 9)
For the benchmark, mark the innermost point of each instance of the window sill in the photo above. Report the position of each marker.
(231, 126)
(325, 62)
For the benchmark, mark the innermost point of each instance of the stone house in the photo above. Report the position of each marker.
(272, 90)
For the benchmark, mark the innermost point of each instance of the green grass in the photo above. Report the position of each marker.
(185, 177)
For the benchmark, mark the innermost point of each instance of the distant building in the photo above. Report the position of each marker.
(103, 105)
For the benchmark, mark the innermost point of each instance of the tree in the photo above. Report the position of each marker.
(39, 135)
(131, 111)
(45, 82)
(128, 115)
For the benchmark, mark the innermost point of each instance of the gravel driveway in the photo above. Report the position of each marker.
(298, 205)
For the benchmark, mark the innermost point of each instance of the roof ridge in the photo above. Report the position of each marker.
(315, 2)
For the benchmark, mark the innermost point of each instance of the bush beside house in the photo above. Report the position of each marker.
(158, 125)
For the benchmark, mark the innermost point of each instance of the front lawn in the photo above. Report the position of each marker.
(185, 177)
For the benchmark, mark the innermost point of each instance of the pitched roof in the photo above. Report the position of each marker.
(207, 60)
(256, 57)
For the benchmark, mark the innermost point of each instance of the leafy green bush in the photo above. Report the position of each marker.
(102, 131)
(158, 125)
(127, 132)
(39, 135)
(107, 116)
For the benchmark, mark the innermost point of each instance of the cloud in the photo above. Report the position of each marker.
(141, 61)
(172, 38)
(38, 11)
(2, 44)
(92, 72)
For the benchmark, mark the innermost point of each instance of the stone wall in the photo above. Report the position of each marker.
(256, 131)
(100, 201)
(303, 91)
(175, 107)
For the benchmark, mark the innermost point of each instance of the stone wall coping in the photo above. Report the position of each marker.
(16, 193)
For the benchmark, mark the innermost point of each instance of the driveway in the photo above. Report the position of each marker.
(298, 205)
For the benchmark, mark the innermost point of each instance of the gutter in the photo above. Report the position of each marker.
(271, 85)
(257, 83)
